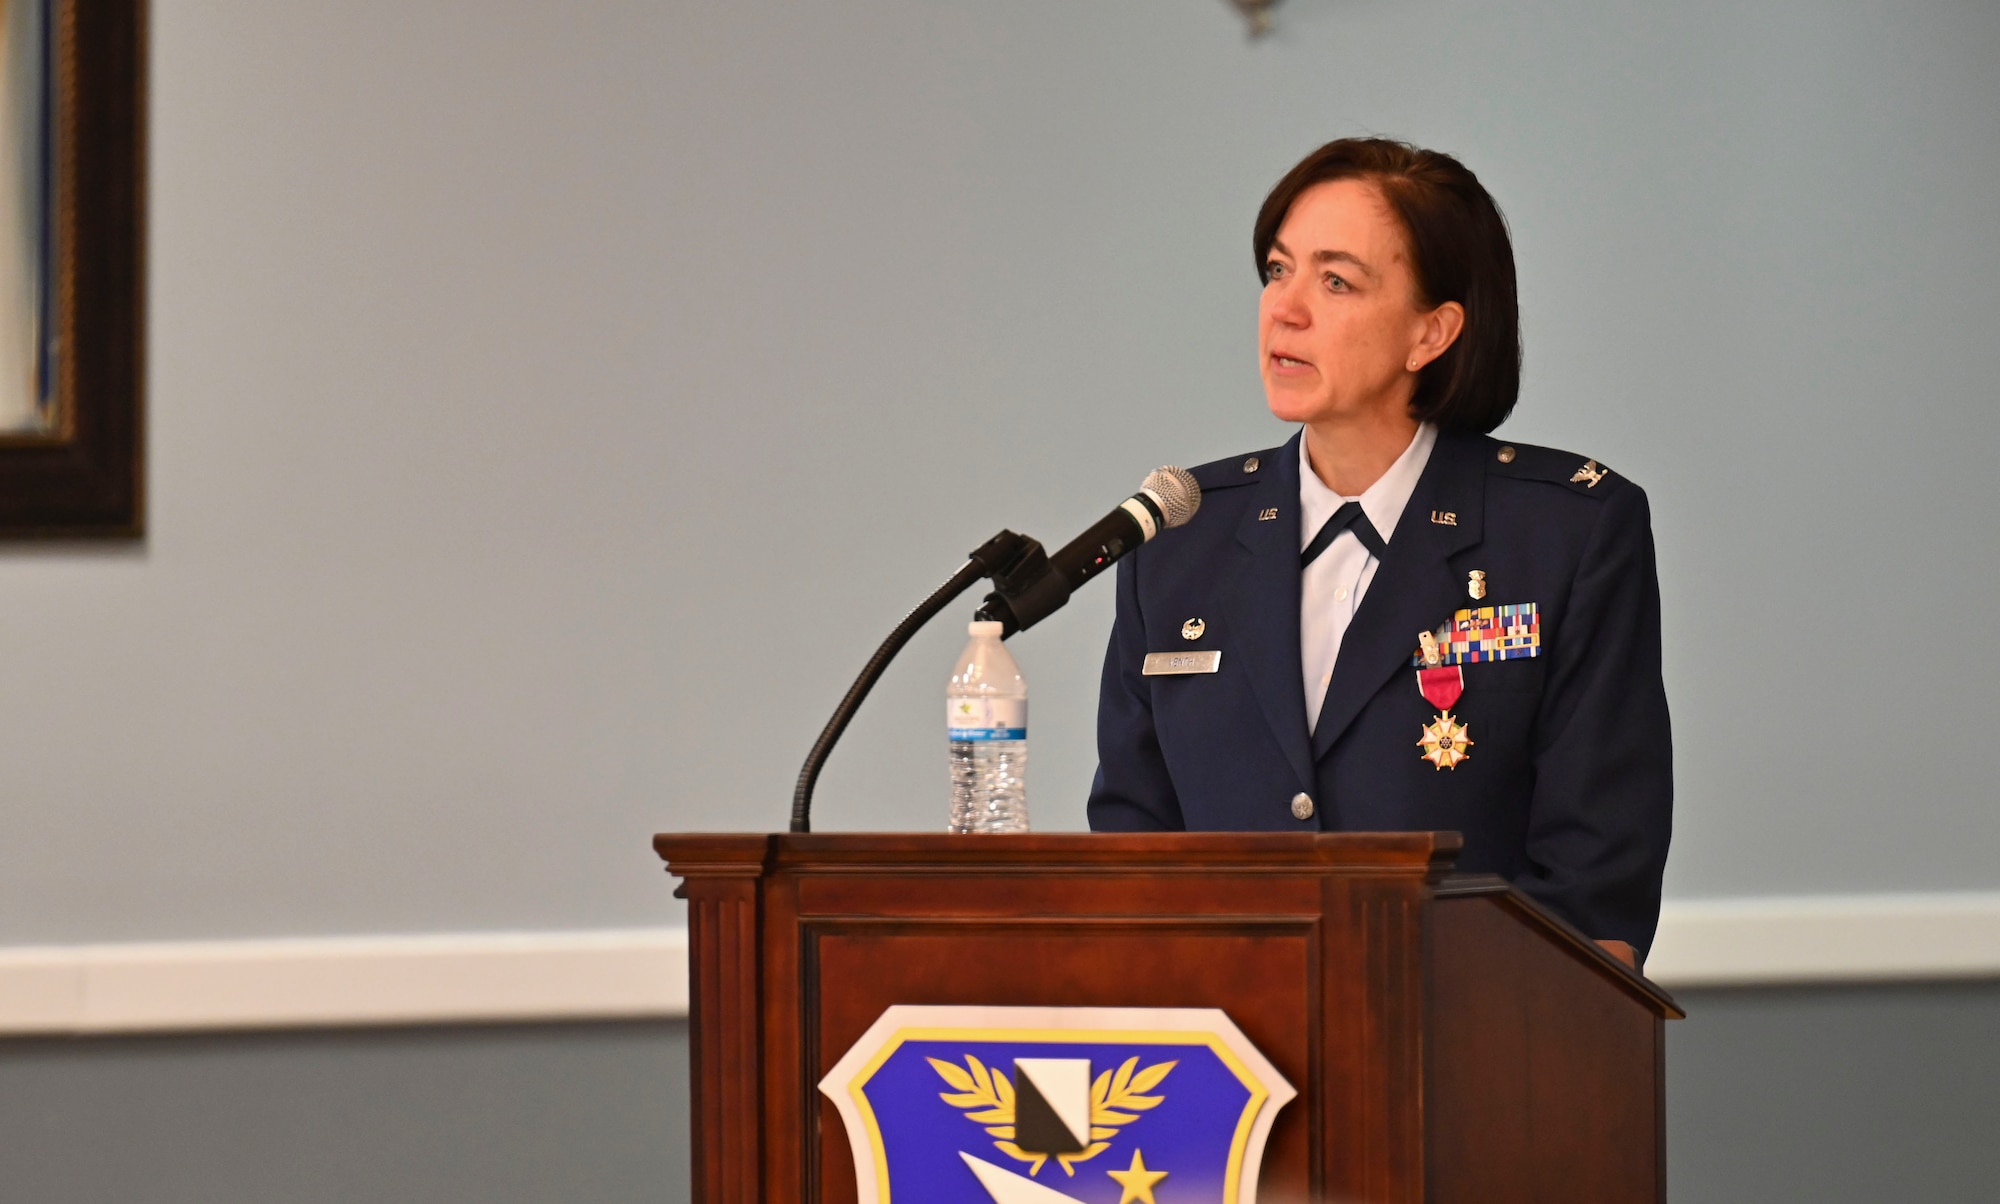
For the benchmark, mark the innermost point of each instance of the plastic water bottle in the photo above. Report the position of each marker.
(986, 720)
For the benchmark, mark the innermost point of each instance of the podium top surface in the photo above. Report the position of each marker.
(1426, 853)
(1175, 862)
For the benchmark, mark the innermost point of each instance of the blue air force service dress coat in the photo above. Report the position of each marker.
(1566, 788)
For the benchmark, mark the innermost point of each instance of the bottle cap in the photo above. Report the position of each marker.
(990, 627)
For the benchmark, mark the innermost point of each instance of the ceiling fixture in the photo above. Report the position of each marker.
(1257, 13)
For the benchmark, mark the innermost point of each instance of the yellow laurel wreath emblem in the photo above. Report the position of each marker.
(987, 1098)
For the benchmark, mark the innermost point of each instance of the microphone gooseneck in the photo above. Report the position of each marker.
(1028, 582)
(996, 556)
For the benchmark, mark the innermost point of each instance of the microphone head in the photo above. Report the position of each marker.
(1176, 492)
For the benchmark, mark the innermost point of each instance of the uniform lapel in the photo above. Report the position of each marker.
(1264, 602)
(1414, 588)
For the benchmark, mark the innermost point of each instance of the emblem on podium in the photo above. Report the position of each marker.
(1044, 1105)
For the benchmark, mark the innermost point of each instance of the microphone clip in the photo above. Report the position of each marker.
(1025, 589)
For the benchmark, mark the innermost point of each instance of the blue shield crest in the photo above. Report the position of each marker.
(970, 1105)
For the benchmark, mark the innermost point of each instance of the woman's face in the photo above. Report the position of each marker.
(1340, 324)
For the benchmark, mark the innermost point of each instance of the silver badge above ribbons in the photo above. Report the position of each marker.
(1166, 664)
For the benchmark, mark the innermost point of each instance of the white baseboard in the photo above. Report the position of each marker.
(338, 982)
(1827, 939)
(479, 978)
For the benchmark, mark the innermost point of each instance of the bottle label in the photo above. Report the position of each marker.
(986, 718)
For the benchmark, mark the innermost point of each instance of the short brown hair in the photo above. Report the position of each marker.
(1459, 251)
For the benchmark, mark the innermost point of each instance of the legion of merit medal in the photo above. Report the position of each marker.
(1445, 740)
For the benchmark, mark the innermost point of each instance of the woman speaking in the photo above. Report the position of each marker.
(1411, 625)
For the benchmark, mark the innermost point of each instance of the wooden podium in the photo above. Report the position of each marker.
(1450, 1040)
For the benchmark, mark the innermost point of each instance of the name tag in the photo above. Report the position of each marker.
(1162, 664)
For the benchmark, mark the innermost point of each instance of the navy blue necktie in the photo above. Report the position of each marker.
(1348, 517)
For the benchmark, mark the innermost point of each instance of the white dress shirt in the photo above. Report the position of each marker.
(1331, 586)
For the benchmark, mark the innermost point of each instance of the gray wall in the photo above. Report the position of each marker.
(550, 405)
(579, 1114)
(1862, 1095)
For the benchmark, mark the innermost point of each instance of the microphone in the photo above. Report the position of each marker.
(1039, 585)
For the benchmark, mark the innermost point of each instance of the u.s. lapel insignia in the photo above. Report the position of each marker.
(1589, 472)
(1030, 1104)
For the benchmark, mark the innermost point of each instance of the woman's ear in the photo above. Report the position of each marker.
(1436, 332)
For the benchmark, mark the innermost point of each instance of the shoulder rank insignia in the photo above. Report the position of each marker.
(1589, 472)
(1038, 1105)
